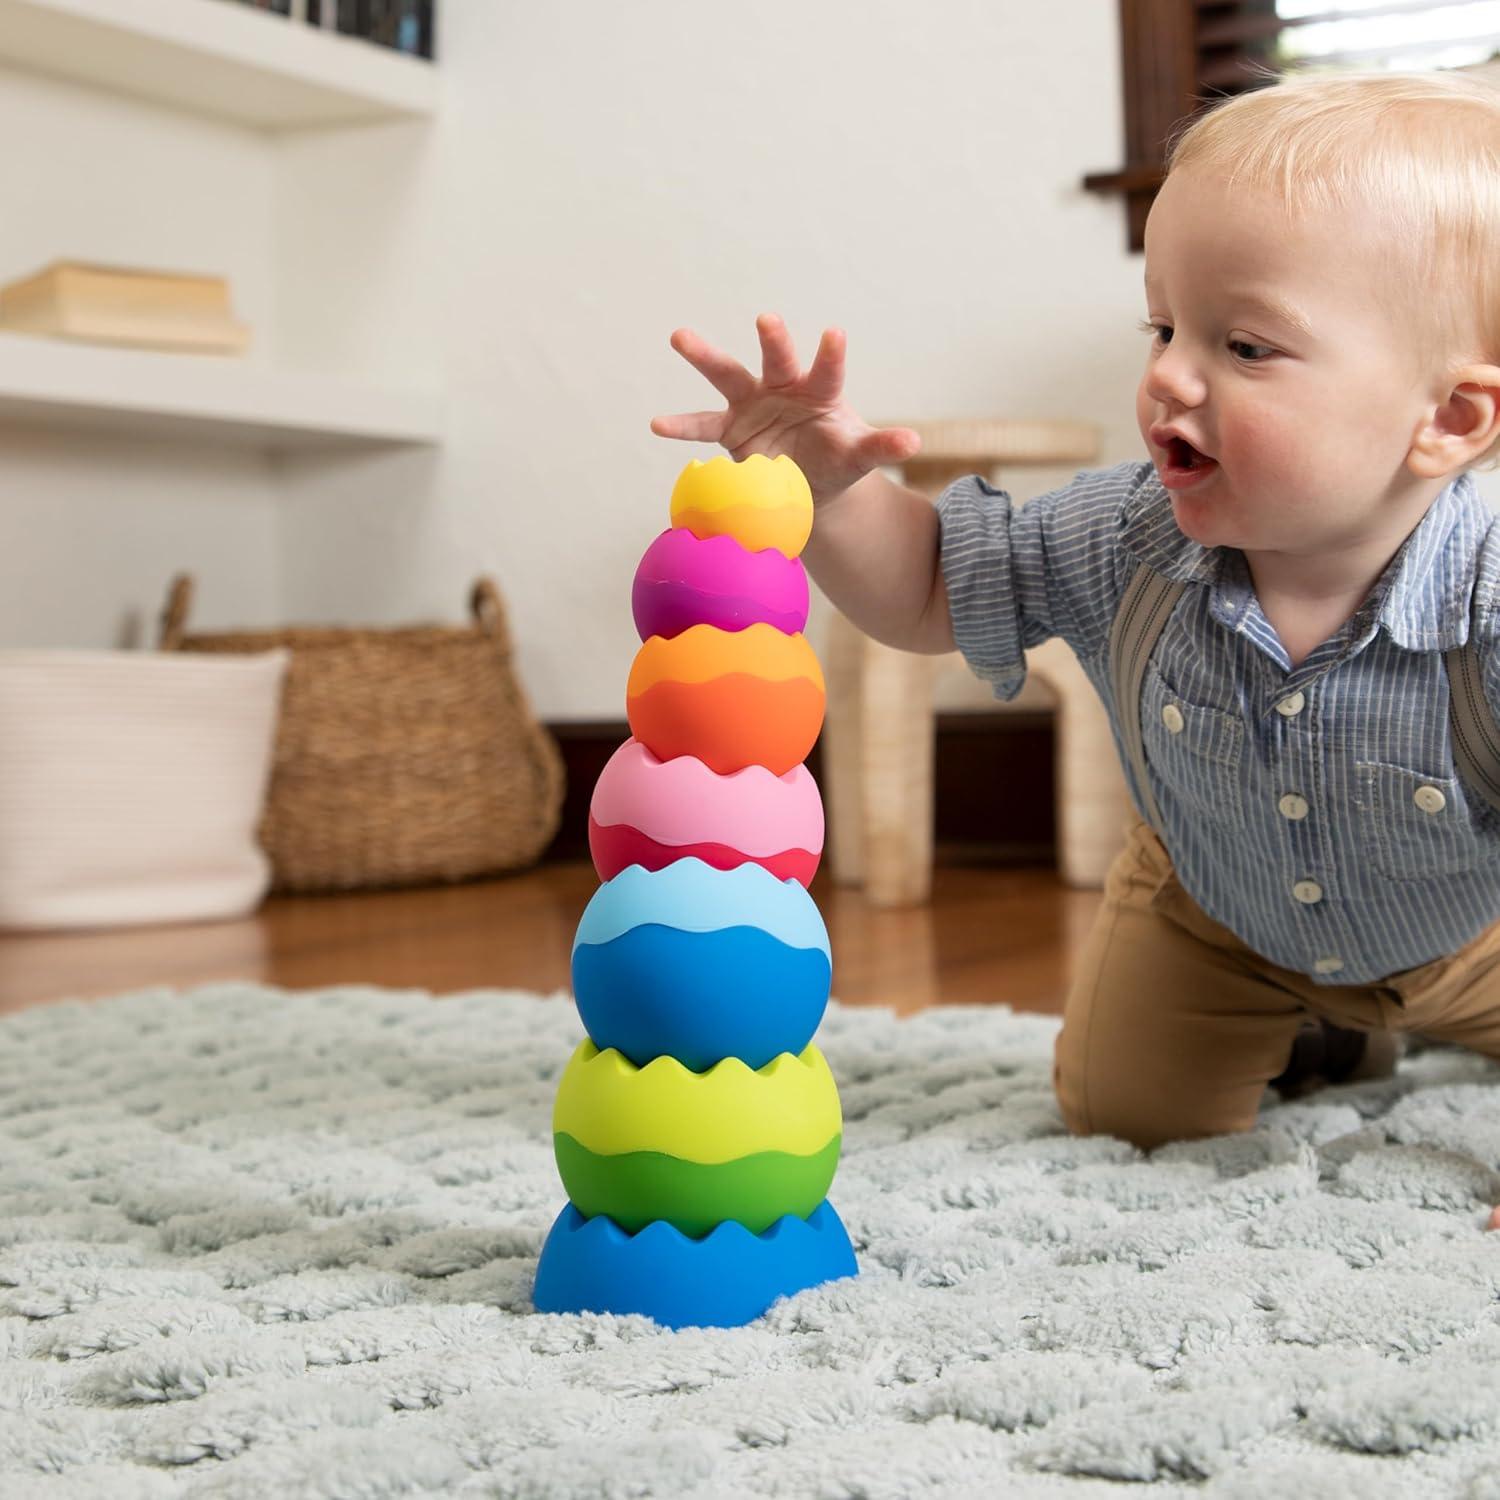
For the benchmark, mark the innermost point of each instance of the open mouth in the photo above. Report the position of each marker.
(1182, 455)
(1185, 464)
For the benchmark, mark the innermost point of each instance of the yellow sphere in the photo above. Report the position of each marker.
(761, 502)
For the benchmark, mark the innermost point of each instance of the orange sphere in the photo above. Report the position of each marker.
(751, 697)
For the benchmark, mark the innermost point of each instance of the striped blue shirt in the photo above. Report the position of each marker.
(1314, 811)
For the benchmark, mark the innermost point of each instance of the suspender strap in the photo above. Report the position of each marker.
(1149, 600)
(1476, 739)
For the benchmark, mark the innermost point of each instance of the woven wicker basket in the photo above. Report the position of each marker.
(403, 756)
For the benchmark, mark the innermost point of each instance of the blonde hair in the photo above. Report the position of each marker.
(1421, 149)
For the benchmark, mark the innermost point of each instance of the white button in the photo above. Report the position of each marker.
(1289, 708)
(1292, 806)
(1329, 965)
(1429, 799)
(1308, 892)
(1171, 716)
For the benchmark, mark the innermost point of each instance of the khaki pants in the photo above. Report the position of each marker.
(1174, 1027)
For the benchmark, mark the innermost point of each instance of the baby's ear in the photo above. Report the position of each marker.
(1459, 430)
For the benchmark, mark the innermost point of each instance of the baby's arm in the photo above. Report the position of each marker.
(874, 552)
(874, 544)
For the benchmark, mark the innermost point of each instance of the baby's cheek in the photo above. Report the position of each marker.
(1266, 443)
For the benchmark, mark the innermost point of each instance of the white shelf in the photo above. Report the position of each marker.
(204, 398)
(215, 58)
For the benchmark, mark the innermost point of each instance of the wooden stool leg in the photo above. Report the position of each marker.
(896, 774)
(843, 657)
(1092, 802)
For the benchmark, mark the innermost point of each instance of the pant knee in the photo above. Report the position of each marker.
(1095, 1105)
(1069, 1102)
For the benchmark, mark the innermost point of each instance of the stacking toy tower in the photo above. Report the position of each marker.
(697, 1127)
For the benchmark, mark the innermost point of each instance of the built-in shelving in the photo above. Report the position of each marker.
(226, 61)
(205, 398)
(232, 63)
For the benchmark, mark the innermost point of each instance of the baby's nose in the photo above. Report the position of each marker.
(1173, 380)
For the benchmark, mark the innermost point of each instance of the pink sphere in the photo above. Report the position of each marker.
(651, 812)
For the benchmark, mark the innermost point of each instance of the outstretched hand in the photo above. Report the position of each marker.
(787, 410)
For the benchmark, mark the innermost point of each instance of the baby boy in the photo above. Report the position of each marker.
(1322, 277)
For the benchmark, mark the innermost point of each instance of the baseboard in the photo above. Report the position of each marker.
(992, 773)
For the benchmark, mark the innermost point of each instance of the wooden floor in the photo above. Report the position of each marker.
(990, 935)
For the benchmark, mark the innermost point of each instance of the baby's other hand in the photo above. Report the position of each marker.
(787, 410)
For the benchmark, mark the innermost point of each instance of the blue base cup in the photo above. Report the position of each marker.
(724, 1280)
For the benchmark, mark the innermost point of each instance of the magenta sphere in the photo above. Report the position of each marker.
(684, 581)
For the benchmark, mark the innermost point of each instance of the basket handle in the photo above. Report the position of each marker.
(175, 612)
(489, 612)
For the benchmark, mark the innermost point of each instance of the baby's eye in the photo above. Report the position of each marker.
(1162, 331)
(1257, 353)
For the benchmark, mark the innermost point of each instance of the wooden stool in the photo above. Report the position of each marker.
(878, 733)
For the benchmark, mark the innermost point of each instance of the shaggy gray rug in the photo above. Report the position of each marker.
(276, 1245)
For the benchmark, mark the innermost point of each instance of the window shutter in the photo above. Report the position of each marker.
(1180, 56)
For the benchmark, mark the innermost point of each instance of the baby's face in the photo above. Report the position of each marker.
(1280, 355)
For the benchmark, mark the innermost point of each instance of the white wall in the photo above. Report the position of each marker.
(607, 172)
(599, 174)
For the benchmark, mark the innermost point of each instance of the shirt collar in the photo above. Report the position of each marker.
(1426, 607)
(1422, 598)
